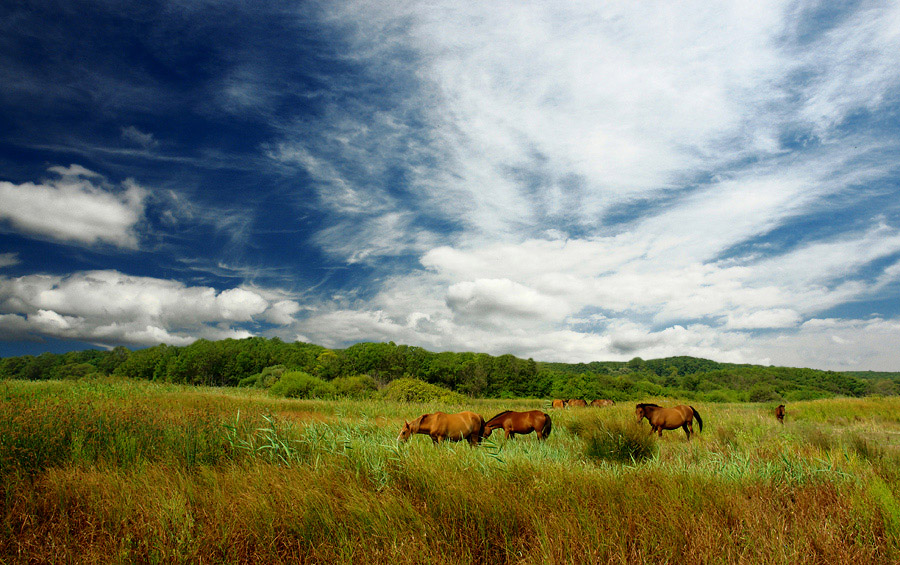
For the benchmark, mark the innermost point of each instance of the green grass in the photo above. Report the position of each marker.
(120, 471)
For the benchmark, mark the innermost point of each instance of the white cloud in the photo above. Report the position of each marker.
(138, 137)
(282, 312)
(76, 207)
(837, 344)
(9, 259)
(775, 318)
(109, 307)
(367, 238)
(503, 300)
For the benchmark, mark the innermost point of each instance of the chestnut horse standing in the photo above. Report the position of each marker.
(668, 418)
(576, 402)
(440, 426)
(559, 403)
(779, 413)
(520, 423)
(600, 403)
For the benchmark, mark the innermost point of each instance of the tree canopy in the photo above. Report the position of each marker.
(258, 361)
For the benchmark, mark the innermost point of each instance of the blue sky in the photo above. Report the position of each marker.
(562, 181)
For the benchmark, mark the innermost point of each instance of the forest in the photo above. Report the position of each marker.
(365, 368)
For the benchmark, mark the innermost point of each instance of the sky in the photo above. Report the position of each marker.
(566, 181)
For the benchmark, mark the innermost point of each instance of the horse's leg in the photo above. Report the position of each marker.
(659, 430)
(687, 429)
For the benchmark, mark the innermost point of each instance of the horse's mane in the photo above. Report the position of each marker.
(648, 405)
(497, 416)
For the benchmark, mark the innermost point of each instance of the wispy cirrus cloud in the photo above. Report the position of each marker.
(599, 158)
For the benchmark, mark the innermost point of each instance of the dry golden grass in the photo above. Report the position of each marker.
(123, 472)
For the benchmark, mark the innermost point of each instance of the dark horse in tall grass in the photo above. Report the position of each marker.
(669, 418)
(440, 426)
(520, 423)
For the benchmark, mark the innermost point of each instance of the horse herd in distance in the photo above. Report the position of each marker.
(580, 403)
(472, 427)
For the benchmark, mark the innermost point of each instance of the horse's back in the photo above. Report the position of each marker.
(675, 416)
(464, 422)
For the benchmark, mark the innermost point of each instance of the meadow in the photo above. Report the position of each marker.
(115, 470)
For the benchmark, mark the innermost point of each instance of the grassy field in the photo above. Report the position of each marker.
(119, 471)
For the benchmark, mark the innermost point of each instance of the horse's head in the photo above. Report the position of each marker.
(639, 412)
(487, 431)
(405, 432)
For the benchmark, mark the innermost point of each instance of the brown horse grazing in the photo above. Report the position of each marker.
(600, 403)
(520, 423)
(576, 402)
(779, 413)
(440, 426)
(669, 418)
(559, 403)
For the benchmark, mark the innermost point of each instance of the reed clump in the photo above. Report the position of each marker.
(617, 440)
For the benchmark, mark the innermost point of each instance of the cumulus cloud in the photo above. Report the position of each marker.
(282, 312)
(109, 307)
(78, 206)
(504, 300)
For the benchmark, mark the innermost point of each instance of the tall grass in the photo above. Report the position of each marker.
(122, 472)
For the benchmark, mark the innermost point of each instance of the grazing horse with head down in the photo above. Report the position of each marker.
(576, 402)
(520, 423)
(601, 403)
(779, 413)
(669, 418)
(559, 403)
(440, 426)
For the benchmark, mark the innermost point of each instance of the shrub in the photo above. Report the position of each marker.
(414, 390)
(265, 379)
(360, 386)
(297, 384)
(763, 393)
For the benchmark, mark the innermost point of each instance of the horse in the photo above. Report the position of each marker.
(668, 418)
(559, 403)
(600, 403)
(576, 402)
(440, 426)
(779, 413)
(520, 423)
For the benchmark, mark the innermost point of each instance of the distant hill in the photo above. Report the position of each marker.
(233, 362)
(874, 375)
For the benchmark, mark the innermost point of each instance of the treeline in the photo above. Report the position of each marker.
(245, 362)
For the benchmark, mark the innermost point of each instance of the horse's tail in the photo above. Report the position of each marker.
(548, 426)
(697, 415)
